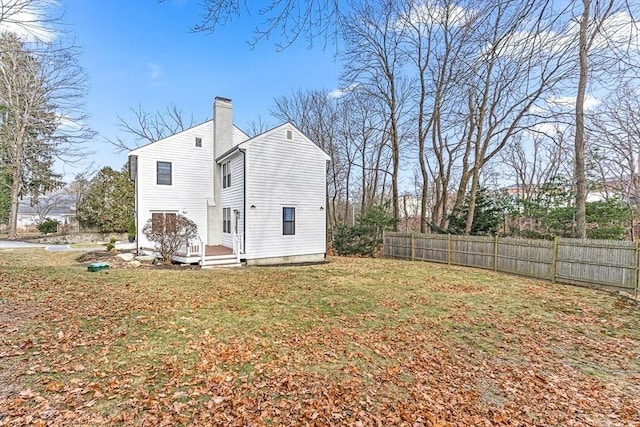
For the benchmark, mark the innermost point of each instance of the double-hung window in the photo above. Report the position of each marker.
(163, 222)
(163, 175)
(226, 220)
(288, 221)
(226, 174)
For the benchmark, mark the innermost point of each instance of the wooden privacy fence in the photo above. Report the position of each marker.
(608, 264)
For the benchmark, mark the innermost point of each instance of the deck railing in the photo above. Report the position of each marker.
(238, 245)
(193, 247)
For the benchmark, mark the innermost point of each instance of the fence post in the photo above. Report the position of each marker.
(413, 247)
(449, 249)
(637, 269)
(495, 253)
(384, 244)
(554, 262)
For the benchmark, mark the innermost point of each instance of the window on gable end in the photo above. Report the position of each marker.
(289, 134)
(198, 142)
(163, 173)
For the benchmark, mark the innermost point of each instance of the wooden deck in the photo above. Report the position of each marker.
(217, 250)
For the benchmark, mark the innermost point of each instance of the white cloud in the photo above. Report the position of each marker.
(340, 92)
(620, 30)
(27, 19)
(69, 123)
(547, 129)
(590, 102)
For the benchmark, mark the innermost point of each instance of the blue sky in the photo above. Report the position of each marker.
(142, 52)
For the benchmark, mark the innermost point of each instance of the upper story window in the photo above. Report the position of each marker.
(288, 221)
(198, 142)
(289, 134)
(163, 170)
(226, 174)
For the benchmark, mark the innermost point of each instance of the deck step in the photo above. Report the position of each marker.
(209, 266)
(220, 257)
(229, 260)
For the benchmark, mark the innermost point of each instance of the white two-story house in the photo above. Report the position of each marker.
(261, 200)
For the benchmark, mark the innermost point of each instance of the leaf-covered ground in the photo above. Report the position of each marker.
(353, 342)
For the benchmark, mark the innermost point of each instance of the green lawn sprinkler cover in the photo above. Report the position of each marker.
(97, 266)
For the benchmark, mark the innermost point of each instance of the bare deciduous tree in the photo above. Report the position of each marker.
(147, 127)
(41, 91)
(30, 19)
(592, 35)
(615, 144)
(313, 20)
(258, 126)
(374, 61)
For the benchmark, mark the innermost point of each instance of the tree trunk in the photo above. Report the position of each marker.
(579, 171)
(16, 184)
(15, 194)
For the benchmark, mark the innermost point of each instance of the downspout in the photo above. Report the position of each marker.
(133, 175)
(244, 196)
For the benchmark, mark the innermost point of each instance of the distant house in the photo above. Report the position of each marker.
(57, 206)
(259, 200)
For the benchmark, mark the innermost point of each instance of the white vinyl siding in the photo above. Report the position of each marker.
(191, 176)
(238, 137)
(233, 197)
(280, 173)
(285, 173)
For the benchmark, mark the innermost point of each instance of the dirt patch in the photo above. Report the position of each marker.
(115, 262)
(105, 256)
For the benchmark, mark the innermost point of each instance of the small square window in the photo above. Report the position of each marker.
(163, 173)
(289, 134)
(288, 221)
(198, 142)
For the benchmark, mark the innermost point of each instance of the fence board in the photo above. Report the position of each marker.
(526, 257)
(474, 251)
(428, 249)
(612, 265)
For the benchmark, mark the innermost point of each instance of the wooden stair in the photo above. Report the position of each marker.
(219, 257)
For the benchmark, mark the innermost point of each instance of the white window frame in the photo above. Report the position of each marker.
(285, 222)
(163, 175)
(226, 174)
(226, 220)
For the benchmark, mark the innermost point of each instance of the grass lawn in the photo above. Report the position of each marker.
(352, 342)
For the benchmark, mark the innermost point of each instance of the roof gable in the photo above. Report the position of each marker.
(196, 128)
(283, 128)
